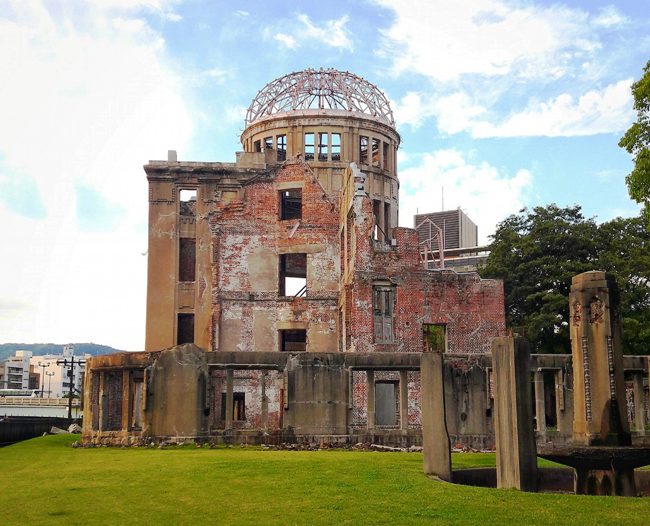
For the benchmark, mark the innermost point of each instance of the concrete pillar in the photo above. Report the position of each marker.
(381, 222)
(639, 404)
(599, 401)
(404, 400)
(513, 419)
(540, 407)
(435, 439)
(370, 388)
(229, 397)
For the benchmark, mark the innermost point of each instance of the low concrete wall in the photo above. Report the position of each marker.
(15, 429)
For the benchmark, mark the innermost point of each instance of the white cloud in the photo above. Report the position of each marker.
(485, 37)
(500, 68)
(241, 13)
(331, 33)
(609, 16)
(90, 103)
(287, 40)
(485, 194)
(605, 111)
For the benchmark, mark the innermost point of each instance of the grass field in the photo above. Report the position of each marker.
(45, 481)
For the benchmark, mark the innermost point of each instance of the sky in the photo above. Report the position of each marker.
(501, 104)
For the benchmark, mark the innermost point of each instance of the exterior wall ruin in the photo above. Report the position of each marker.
(233, 351)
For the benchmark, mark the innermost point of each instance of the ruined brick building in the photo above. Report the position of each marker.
(309, 306)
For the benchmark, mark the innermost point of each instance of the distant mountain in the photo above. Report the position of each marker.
(40, 349)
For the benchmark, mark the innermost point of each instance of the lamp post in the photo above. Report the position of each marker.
(43, 365)
(50, 374)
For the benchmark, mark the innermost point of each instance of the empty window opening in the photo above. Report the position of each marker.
(281, 145)
(386, 226)
(187, 259)
(136, 399)
(291, 204)
(268, 143)
(375, 152)
(293, 340)
(383, 298)
(322, 146)
(257, 146)
(238, 406)
(335, 146)
(378, 232)
(386, 403)
(363, 150)
(385, 156)
(185, 329)
(434, 337)
(309, 146)
(293, 275)
(187, 203)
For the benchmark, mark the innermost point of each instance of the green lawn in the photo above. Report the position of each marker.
(45, 481)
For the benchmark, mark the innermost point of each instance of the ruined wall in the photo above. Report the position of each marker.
(248, 237)
(472, 309)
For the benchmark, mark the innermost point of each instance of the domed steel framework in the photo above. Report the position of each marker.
(320, 89)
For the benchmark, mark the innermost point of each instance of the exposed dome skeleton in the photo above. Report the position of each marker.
(324, 89)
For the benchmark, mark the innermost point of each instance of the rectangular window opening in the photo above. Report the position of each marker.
(257, 146)
(383, 298)
(386, 403)
(363, 150)
(375, 152)
(291, 204)
(281, 145)
(385, 156)
(309, 146)
(335, 146)
(185, 329)
(186, 259)
(386, 225)
(434, 337)
(293, 275)
(268, 143)
(187, 202)
(293, 340)
(238, 406)
(322, 146)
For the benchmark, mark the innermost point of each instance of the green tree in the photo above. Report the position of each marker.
(624, 251)
(538, 251)
(637, 142)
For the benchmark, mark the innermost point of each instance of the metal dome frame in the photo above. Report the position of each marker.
(324, 89)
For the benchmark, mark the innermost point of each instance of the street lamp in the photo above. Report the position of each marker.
(43, 365)
(50, 374)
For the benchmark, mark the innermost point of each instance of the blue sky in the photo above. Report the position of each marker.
(503, 103)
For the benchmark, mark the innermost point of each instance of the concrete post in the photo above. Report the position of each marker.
(639, 404)
(404, 400)
(513, 419)
(540, 406)
(370, 389)
(229, 397)
(435, 439)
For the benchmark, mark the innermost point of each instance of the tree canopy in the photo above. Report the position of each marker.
(538, 251)
(637, 142)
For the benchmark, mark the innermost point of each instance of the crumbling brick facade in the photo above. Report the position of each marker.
(312, 202)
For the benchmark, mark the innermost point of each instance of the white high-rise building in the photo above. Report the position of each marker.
(14, 371)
